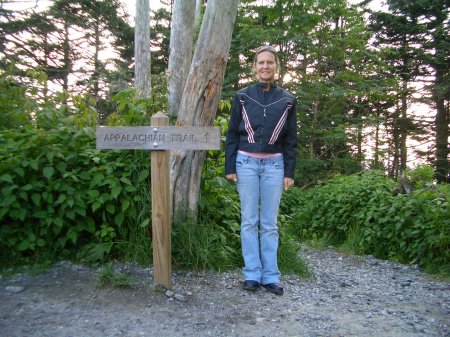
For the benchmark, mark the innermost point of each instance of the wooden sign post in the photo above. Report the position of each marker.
(159, 137)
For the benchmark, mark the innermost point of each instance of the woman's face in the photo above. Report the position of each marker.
(266, 67)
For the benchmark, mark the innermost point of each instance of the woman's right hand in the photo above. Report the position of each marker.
(231, 177)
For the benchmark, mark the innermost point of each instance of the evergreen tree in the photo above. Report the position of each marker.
(64, 42)
(160, 40)
(419, 31)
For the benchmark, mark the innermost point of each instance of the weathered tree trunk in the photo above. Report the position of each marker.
(142, 49)
(200, 99)
(181, 45)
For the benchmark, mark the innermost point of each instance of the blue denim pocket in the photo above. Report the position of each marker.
(278, 163)
(241, 160)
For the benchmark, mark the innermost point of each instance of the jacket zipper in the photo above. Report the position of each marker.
(265, 93)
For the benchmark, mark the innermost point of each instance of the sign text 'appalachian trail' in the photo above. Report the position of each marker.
(159, 138)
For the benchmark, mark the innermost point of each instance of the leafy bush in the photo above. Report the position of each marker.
(361, 213)
(58, 194)
(421, 176)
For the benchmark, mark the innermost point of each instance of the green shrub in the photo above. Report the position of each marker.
(362, 213)
(60, 196)
(421, 176)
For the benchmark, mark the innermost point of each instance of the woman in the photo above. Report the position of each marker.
(260, 157)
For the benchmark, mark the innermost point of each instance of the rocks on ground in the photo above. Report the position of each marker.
(346, 296)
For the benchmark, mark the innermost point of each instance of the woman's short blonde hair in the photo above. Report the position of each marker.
(268, 48)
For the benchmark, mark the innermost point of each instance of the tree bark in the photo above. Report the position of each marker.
(395, 145)
(96, 74)
(200, 99)
(442, 132)
(377, 140)
(67, 60)
(359, 136)
(441, 94)
(142, 49)
(67, 64)
(180, 56)
(403, 130)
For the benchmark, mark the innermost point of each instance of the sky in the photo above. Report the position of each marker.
(155, 4)
(130, 5)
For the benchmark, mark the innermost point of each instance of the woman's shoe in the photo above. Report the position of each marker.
(251, 285)
(274, 288)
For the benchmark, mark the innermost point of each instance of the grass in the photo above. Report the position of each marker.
(353, 241)
(109, 277)
(203, 246)
(288, 260)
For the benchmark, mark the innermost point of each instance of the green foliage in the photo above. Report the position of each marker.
(289, 246)
(60, 194)
(421, 176)
(131, 111)
(40, 42)
(309, 171)
(15, 106)
(361, 213)
(205, 245)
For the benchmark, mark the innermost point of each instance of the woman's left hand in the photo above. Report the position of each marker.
(288, 182)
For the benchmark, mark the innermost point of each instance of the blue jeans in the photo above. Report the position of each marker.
(260, 185)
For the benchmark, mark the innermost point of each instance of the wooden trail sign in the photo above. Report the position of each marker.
(159, 137)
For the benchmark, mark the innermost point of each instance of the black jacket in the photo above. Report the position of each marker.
(262, 122)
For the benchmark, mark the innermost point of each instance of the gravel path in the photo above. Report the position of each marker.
(348, 296)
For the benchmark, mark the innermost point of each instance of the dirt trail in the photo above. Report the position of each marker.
(348, 296)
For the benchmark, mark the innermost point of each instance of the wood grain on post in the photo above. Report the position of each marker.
(161, 231)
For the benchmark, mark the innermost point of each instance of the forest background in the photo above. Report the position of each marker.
(372, 170)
